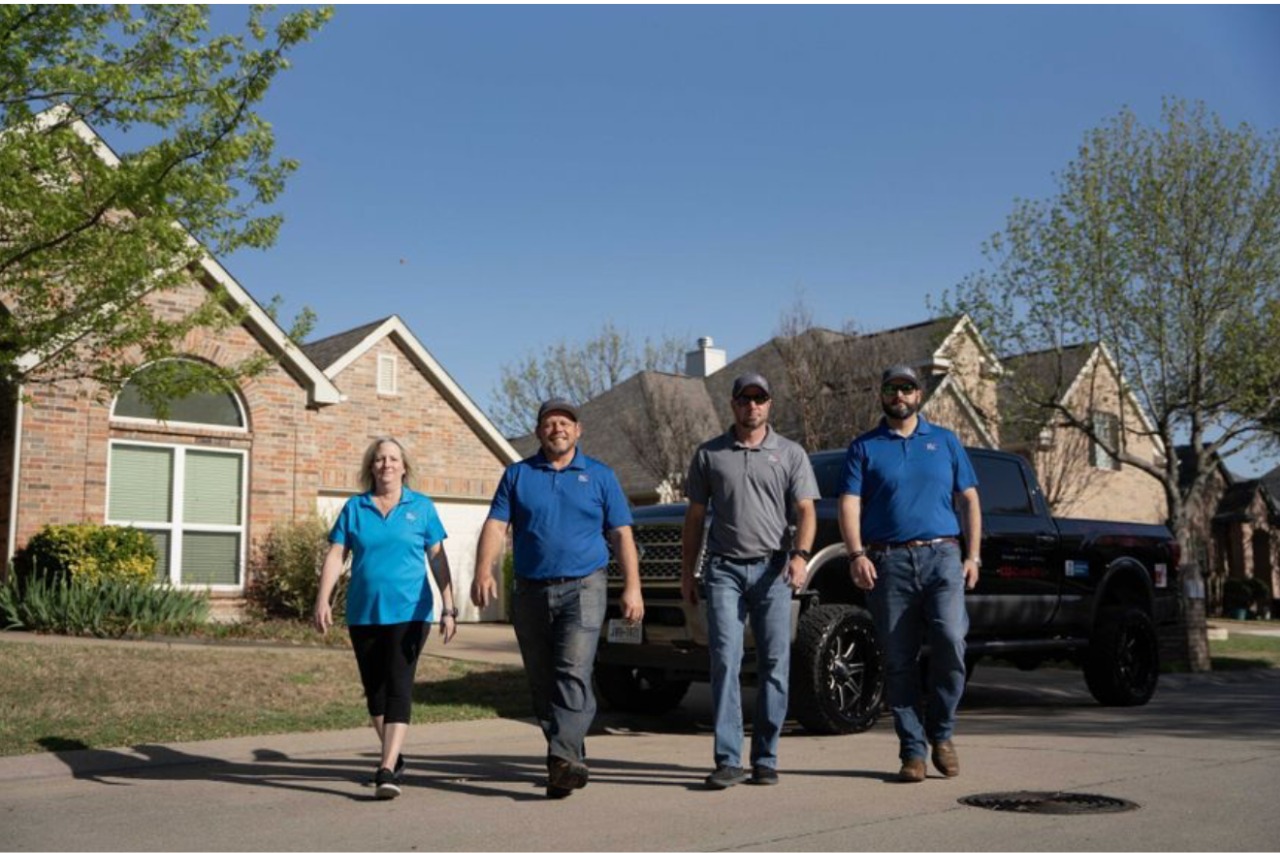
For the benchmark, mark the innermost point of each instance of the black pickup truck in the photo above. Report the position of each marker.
(1091, 592)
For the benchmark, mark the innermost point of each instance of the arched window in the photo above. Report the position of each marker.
(191, 499)
(216, 408)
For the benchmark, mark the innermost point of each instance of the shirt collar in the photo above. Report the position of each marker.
(923, 427)
(769, 442)
(577, 463)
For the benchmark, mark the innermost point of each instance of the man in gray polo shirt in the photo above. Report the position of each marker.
(749, 476)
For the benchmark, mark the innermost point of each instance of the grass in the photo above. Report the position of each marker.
(1245, 651)
(79, 696)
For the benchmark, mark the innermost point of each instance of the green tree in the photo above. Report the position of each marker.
(1163, 243)
(89, 236)
(576, 372)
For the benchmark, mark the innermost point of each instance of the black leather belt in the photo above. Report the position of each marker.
(744, 561)
(556, 581)
(912, 543)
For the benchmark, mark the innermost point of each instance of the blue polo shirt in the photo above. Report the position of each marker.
(388, 558)
(907, 483)
(560, 518)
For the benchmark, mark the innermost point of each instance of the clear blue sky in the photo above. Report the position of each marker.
(504, 177)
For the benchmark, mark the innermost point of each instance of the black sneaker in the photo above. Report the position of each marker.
(397, 773)
(386, 784)
(565, 777)
(725, 777)
(761, 775)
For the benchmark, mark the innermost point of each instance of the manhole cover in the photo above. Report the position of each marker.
(1049, 802)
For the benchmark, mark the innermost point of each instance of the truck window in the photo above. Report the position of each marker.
(828, 470)
(1001, 486)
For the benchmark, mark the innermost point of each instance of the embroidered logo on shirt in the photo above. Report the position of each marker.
(773, 457)
(583, 478)
(411, 516)
(929, 445)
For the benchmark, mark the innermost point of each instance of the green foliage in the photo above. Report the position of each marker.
(99, 607)
(89, 552)
(1251, 594)
(87, 233)
(1163, 244)
(289, 578)
(575, 372)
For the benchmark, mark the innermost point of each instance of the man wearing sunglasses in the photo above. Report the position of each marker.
(900, 528)
(749, 477)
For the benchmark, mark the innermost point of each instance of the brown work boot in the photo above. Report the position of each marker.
(945, 758)
(912, 770)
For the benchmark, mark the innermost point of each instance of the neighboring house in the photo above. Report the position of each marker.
(1235, 528)
(1080, 479)
(825, 385)
(211, 480)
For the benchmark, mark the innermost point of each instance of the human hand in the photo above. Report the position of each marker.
(797, 572)
(632, 605)
(970, 573)
(689, 588)
(863, 572)
(484, 589)
(322, 617)
(448, 627)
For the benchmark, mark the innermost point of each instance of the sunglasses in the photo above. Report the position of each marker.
(758, 399)
(889, 389)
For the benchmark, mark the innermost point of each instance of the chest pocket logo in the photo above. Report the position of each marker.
(583, 478)
(411, 516)
(930, 446)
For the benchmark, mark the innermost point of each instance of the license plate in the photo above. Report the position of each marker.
(622, 631)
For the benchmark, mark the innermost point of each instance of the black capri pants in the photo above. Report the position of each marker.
(387, 656)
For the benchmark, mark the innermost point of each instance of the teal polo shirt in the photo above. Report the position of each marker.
(907, 483)
(559, 519)
(388, 558)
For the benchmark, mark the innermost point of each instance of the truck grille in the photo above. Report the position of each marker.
(659, 547)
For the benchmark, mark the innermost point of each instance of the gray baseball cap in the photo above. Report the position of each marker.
(902, 373)
(557, 404)
(746, 380)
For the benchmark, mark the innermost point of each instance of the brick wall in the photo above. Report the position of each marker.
(67, 427)
(450, 460)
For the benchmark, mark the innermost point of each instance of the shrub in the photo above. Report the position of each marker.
(89, 552)
(1235, 595)
(289, 578)
(99, 607)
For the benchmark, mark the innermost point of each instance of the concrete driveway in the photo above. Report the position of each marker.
(1199, 761)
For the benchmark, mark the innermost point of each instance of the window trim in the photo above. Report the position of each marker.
(175, 526)
(1099, 458)
(129, 420)
(394, 389)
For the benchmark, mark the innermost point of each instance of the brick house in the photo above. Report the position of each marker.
(211, 480)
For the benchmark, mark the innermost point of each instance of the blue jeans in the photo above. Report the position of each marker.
(735, 592)
(918, 596)
(558, 627)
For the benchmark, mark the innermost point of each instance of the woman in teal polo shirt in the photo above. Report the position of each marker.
(386, 530)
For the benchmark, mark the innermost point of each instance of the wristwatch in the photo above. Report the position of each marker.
(977, 561)
(801, 552)
(450, 611)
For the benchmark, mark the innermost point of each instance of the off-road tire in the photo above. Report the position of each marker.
(1122, 664)
(638, 690)
(837, 670)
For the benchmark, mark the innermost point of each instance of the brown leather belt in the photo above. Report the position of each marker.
(912, 543)
(556, 581)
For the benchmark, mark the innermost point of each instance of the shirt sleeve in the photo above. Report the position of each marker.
(965, 476)
(500, 506)
(854, 462)
(695, 483)
(433, 527)
(340, 533)
(617, 512)
(804, 485)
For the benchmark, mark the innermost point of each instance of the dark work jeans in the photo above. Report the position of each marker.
(918, 598)
(558, 628)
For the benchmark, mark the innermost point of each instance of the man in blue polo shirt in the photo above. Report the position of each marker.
(564, 509)
(900, 528)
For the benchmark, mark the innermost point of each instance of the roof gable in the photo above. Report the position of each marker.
(340, 351)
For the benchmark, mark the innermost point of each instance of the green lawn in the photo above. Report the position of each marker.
(77, 696)
(1245, 651)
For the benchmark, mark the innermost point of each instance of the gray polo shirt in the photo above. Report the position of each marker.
(749, 491)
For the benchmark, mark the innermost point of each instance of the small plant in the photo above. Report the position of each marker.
(289, 577)
(89, 552)
(99, 607)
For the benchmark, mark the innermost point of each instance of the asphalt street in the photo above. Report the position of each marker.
(1198, 762)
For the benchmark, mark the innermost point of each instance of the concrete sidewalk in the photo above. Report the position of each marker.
(1199, 761)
